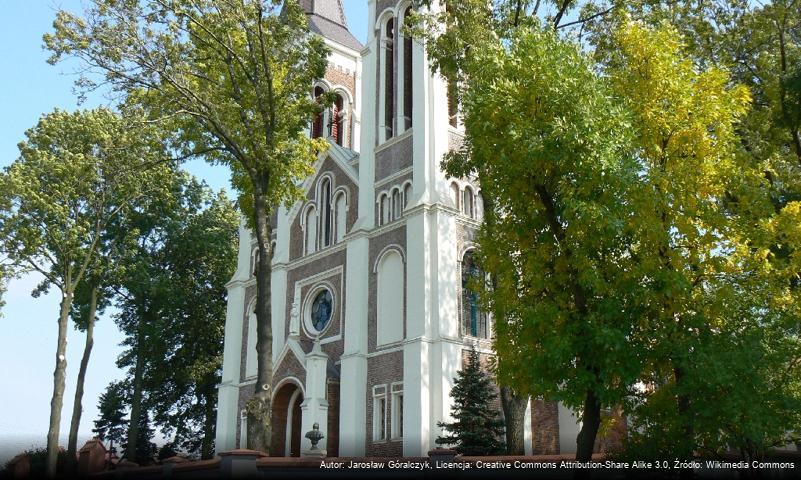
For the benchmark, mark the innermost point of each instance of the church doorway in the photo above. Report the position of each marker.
(286, 419)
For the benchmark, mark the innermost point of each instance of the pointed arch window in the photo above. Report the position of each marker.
(455, 195)
(469, 207)
(407, 89)
(396, 204)
(341, 213)
(474, 320)
(389, 297)
(453, 105)
(326, 213)
(387, 80)
(319, 120)
(336, 123)
(384, 213)
(255, 256)
(311, 230)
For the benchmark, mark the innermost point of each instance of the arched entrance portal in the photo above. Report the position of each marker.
(287, 421)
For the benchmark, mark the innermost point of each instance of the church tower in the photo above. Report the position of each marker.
(371, 312)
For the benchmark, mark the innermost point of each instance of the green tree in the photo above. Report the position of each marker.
(201, 257)
(171, 297)
(88, 303)
(111, 424)
(76, 173)
(477, 428)
(736, 283)
(233, 80)
(550, 147)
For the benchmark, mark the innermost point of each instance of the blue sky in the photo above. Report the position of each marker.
(29, 87)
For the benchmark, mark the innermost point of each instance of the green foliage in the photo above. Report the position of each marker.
(231, 79)
(727, 179)
(642, 222)
(146, 450)
(477, 428)
(111, 425)
(549, 147)
(172, 303)
(38, 459)
(76, 173)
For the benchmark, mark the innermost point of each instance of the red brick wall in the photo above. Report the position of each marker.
(544, 427)
(332, 443)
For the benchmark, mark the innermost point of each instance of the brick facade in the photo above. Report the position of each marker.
(383, 370)
(396, 236)
(393, 158)
(544, 427)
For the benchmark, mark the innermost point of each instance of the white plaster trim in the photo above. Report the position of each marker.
(293, 380)
(342, 49)
(382, 18)
(288, 431)
(314, 256)
(397, 348)
(321, 279)
(336, 153)
(465, 248)
(387, 227)
(395, 176)
(293, 346)
(392, 141)
(386, 250)
(311, 332)
(467, 221)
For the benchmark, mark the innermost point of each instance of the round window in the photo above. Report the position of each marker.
(321, 310)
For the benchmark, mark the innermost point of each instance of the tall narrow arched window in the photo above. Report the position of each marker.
(251, 364)
(311, 231)
(389, 290)
(387, 96)
(255, 261)
(469, 207)
(407, 194)
(474, 321)
(318, 124)
(453, 105)
(326, 224)
(341, 214)
(384, 210)
(396, 204)
(407, 76)
(455, 195)
(336, 126)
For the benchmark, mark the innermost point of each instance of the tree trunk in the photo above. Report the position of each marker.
(136, 397)
(209, 424)
(259, 407)
(590, 423)
(59, 379)
(77, 408)
(685, 415)
(514, 413)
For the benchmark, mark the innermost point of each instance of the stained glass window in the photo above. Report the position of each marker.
(321, 310)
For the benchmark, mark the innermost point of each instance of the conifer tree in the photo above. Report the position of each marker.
(477, 428)
(111, 425)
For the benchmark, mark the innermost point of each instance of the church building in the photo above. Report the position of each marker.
(371, 316)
